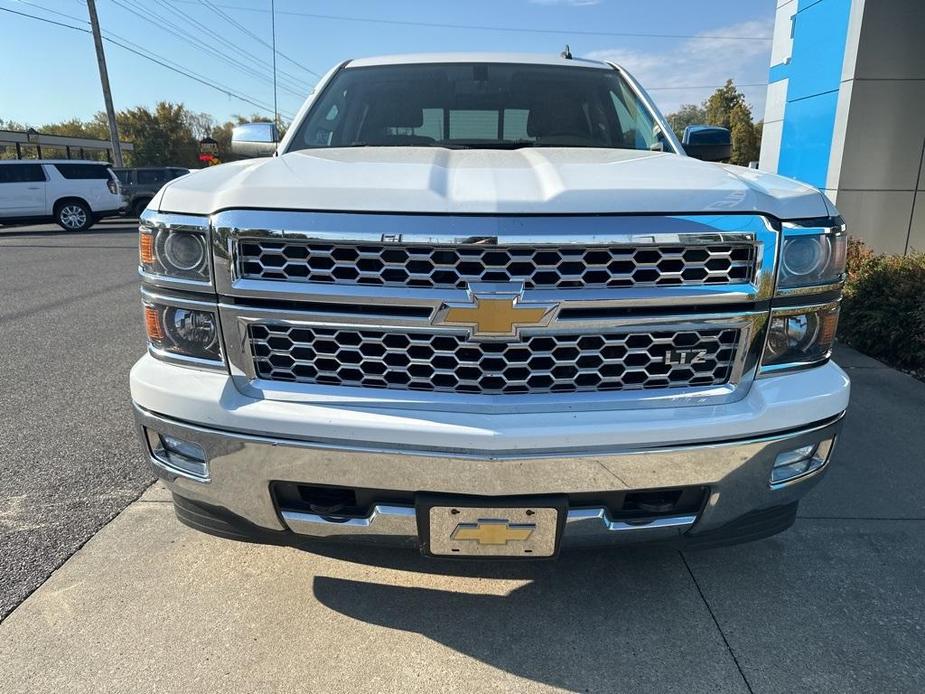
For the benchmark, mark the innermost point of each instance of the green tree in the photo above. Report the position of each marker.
(688, 114)
(160, 137)
(726, 108)
(167, 135)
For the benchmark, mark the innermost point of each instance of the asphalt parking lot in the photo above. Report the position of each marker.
(100, 592)
(69, 332)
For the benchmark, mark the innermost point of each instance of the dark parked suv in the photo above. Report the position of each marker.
(141, 184)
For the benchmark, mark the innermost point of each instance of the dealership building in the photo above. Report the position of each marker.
(846, 112)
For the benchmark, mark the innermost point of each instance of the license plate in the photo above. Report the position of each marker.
(472, 531)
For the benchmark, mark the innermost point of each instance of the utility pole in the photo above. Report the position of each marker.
(104, 79)
(273, 25)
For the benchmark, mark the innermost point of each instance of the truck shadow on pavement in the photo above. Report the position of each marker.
(627, 621)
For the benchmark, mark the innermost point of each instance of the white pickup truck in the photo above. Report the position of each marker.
(488, 306)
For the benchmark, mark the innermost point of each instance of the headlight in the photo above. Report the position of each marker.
(800, 337)
(812, 255)
(177, 254)
(190, 334)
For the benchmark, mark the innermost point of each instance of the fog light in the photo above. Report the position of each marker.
(183, 456)
(800, 462)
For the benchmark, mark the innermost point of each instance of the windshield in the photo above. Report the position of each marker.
(478, 105)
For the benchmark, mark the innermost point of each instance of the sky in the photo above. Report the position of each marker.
(52, 74)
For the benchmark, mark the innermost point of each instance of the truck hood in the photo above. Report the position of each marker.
(558, 180)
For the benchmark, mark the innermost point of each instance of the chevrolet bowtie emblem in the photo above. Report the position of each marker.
(495, 311)
(493, 531)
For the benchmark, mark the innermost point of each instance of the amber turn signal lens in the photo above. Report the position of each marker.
(146, 248)
(153, 324)
(828, 324)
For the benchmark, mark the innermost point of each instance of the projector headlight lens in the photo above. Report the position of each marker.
(175, 254)
(812, 259)
(804, 256)
(183, 252)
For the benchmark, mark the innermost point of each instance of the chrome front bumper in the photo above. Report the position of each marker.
(243, 466)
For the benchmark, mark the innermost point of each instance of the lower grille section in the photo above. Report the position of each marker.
(442, 362)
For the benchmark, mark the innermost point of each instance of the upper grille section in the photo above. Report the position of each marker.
(429, 361)
(454, 266)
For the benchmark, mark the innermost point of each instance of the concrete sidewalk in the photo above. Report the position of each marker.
(835, 604)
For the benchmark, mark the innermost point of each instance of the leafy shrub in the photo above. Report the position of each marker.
(883, 312)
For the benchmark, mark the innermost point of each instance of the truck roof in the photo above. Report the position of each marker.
(522, 58)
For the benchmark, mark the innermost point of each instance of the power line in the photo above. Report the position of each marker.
(195, 42)
(483, 27)
(244, 29)
(186, 17)
(216, 86)
(193, 77)
(107, 34)
(146, 56)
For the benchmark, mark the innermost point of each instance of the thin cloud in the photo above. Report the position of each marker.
(693, 68)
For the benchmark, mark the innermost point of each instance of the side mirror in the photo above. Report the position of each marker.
(254, 139)
(707, 142)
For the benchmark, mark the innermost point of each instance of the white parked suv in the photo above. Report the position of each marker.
(488, 306)
(74, 194)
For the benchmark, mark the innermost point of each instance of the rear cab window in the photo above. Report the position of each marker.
(151, 176)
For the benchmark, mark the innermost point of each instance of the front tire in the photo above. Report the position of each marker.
(139, 206)
(74, 215)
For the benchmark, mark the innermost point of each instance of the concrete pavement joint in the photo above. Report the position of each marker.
(706, 604)
(67, 558)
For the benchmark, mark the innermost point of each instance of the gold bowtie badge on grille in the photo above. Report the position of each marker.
(495, 312)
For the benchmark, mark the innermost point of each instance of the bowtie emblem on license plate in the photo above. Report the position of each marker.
(493, 531)
(457, 531)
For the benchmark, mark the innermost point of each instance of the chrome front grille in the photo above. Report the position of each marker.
(316, 304)
(536, 266)
(444, 362)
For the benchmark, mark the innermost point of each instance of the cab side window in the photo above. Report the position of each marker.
(22, 173)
